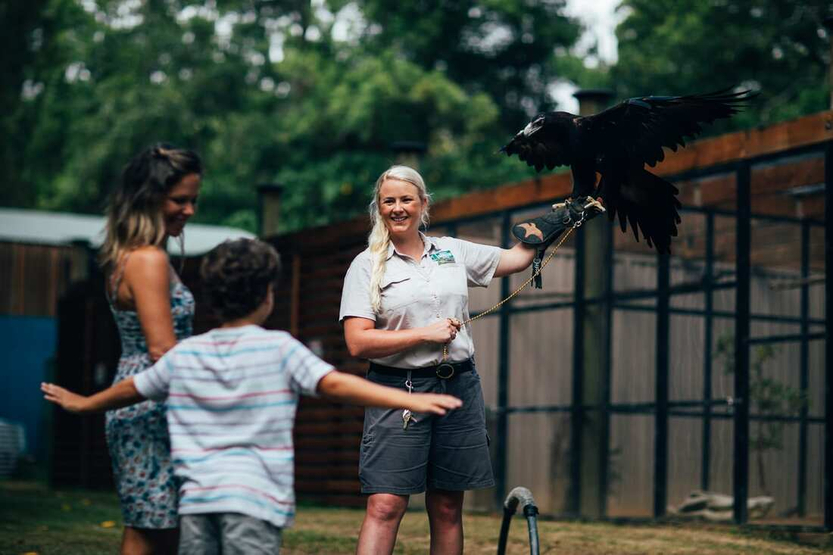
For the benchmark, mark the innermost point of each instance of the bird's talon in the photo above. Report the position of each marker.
(595, 204)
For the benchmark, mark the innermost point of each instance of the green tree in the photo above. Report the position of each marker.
(779, 47)
(265, 91)
(19, 43)
(503, 48)
(338, 130)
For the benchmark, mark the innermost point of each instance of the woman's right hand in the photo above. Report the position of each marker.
(442, 331)
(434, 403)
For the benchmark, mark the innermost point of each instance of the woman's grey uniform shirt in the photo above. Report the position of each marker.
(417, 293)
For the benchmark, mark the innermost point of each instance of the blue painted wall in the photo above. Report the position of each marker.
(27, 345)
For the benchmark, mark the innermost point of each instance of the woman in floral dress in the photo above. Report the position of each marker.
(153, 310)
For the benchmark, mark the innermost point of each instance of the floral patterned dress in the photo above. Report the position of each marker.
(137, 436)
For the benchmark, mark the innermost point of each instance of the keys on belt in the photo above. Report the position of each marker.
(407, 418)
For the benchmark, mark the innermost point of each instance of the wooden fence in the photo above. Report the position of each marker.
(33, 278)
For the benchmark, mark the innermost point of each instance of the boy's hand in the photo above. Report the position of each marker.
(434, 403)
(60, 396)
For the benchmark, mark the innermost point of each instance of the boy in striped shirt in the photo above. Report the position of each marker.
(231, 398)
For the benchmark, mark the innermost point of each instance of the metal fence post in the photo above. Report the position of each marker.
(705, 462)
(604, 412)
(828, 348)
(740, 468)
(595, 366)
(577, 412)
(661, 393)
(804, 368)
(503, 375)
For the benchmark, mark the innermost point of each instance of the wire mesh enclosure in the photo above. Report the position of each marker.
(633, 385)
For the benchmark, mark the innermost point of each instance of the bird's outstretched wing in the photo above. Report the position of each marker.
(544, 142)
(632, 134)
(641, 127)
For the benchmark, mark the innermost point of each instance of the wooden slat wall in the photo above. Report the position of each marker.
(315, 261)
(32, 278)
(327, 435)
(86, 357)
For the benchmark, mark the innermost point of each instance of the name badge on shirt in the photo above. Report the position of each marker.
(443, 257)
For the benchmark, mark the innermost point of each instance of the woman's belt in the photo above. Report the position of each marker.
(444, 370)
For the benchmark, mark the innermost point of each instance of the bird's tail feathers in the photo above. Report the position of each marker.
(647, 203)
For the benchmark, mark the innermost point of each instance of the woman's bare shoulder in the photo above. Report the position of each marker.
(145, 261)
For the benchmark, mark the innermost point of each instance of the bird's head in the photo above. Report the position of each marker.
(533, 126)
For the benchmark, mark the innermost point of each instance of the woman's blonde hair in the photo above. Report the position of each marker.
(379, 238)
(134, 212)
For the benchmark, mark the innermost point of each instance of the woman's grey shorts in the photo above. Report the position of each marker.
(448, 452)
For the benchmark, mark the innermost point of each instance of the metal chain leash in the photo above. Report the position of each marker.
(523, 285)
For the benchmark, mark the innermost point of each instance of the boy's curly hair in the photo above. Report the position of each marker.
(236, 276)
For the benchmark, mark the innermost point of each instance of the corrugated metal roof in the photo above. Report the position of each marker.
(58, 228)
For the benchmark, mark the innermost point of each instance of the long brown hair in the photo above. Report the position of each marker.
(134, 212)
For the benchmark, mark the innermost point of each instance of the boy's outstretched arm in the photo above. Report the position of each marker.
(359, 391)
(120, 395)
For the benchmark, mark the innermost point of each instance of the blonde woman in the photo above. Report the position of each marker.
(153, 310)
(404, 298)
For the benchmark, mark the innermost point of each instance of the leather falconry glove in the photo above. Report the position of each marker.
(540, 232)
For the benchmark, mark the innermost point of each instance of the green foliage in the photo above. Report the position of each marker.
(681, 46)
(503, 48)
(264, 91)
(19, 42)
(312, 94)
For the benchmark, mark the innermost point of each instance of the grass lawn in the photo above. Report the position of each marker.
(34, 519)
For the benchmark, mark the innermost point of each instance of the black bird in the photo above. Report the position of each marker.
(617, 143)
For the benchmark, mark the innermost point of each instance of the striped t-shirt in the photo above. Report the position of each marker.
(231, 398)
